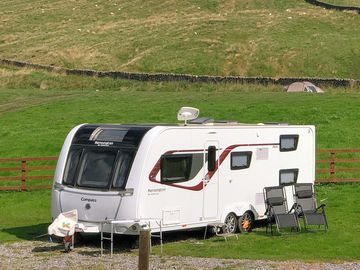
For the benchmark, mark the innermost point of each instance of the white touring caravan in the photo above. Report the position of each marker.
(176, 177)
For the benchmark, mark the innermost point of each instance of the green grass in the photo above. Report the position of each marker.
(341, 242)
(38, 120)
(28, 215)
(253, 38)
(352, 3)
(24, 215)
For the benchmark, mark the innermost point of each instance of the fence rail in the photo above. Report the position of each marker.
(333, 166)
(343, 161)
(33, 169)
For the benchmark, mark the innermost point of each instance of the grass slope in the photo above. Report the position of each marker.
(38, 120)
(253, 38)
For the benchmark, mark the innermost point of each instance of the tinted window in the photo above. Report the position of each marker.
(175, 168)
(96, 168)
(240, 160)
(122, 169)
(288, 176)
(71, 166)
(211, 158)
(288, 142)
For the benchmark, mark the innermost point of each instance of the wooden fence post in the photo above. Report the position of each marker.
(144, 249)
(332, 167)
(23, 175)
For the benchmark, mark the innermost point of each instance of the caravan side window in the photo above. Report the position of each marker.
(288, 143)
(240, 160)
(288, 176)
(175, 168)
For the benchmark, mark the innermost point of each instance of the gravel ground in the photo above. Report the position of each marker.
(44, 255)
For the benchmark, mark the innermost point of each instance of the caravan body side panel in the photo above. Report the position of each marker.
(185, 205)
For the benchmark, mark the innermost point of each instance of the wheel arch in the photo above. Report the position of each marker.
(239, 209)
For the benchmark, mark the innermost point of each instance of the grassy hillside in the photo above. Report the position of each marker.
(252, 37)
(37, 110)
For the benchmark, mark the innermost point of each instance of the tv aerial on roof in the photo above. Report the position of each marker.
(187, 113)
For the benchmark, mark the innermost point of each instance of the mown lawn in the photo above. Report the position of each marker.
(341, 242)
(26, 215)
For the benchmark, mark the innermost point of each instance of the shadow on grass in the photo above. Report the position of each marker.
(36, 232)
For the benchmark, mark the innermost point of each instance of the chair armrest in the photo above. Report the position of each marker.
(293, 207)
(322, 206)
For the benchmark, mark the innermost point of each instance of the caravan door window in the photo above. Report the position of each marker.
(175, 168)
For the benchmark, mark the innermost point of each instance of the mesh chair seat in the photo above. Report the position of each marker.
(304, 197)
(277, 210)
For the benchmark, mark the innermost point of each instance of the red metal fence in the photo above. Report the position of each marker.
(333, 166)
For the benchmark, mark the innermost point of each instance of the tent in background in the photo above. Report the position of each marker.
(304, 87)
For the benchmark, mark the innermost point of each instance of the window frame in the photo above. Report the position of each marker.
(83, 164)
(289, 136)
(110, 187)
(296, 175)
(174, 156)
(248, 154)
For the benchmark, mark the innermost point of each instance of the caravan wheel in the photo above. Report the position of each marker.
(246, 222)
(230, 223)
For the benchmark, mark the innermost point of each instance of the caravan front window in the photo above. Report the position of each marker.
(122, 169)
(98, 167)
(71, 166)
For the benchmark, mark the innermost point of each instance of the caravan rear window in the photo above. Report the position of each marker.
(288, 176)
(288, 142)
(240, 160)
(175, 168)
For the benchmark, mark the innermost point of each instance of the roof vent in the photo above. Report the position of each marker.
(187, 113)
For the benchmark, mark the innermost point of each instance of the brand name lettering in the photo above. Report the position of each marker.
(104, 143)
(87, 199)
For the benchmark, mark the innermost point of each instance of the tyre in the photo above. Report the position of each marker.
(231, 223)
(246, 222)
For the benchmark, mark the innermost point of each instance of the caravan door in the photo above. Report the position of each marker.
(211, 180)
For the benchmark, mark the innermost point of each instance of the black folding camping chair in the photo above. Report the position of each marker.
(304, 197)
(277, 210)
